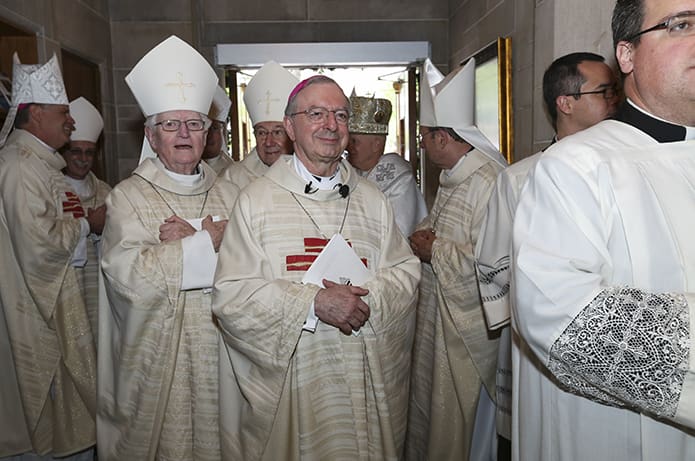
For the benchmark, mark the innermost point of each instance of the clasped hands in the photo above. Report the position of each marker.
(176, 228)
(421, 243)
(341, 306)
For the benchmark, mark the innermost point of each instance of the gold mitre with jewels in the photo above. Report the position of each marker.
(369, 115)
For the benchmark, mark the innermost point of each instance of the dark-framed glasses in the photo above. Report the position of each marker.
(678, 25)
(277, 134)
(194, 124)
(320, 115)
(608, 93)
(421, 137)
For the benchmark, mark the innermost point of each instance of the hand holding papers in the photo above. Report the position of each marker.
(338, 269)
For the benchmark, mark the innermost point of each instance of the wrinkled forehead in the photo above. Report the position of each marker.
(178, 115)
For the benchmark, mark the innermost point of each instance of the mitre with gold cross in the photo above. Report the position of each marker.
(172, 76)
(266, 94)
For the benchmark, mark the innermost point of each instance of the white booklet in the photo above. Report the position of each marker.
(338, 263)
(197, 223)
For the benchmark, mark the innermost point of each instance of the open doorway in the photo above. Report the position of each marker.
(380, 82)
(383, 69)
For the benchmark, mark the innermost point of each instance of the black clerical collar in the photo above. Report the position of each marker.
(660, 130)
(551, 143)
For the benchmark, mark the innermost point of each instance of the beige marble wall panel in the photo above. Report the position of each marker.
(469, 35)
(583, 26)
(525, 86)
(544, 55)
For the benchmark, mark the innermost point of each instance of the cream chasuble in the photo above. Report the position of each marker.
(158, 345)
(452, 354)
(603, 282)
(49, 397)
(242, 173)
(219, 163)
(291, 394)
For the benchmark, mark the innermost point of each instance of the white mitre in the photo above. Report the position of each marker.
(171, 76)
(266, 94)
(219, 109)
(88, 121)
(34, 83)
(450, 102)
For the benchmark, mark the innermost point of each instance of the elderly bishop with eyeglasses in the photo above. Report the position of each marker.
(158, 344)
(318, 333)
(265, 98)
(604, 273)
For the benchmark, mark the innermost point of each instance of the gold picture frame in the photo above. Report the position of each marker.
(493, 94)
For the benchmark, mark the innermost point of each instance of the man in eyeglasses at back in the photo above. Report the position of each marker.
(79, 156)
(215, 153)
(313, 372)
(604, 270)
(265, 98)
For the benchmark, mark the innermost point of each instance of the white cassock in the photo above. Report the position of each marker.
(603, 278)
(493, 257)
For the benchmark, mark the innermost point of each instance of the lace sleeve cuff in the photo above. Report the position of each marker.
(629, 348)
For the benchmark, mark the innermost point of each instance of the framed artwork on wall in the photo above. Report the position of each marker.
(493, 94)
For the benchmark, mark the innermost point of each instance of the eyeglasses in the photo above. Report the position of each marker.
(194, 124)
(320, 114)
(679, 25)
(608, 93)
(277, 134)
(421, 137)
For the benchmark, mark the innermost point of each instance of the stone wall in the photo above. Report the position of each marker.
(81, 27)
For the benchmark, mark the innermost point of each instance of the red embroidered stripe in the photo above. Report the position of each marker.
(314, 245)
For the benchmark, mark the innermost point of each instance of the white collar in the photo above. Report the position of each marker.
(321, 182)
(189, 180)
